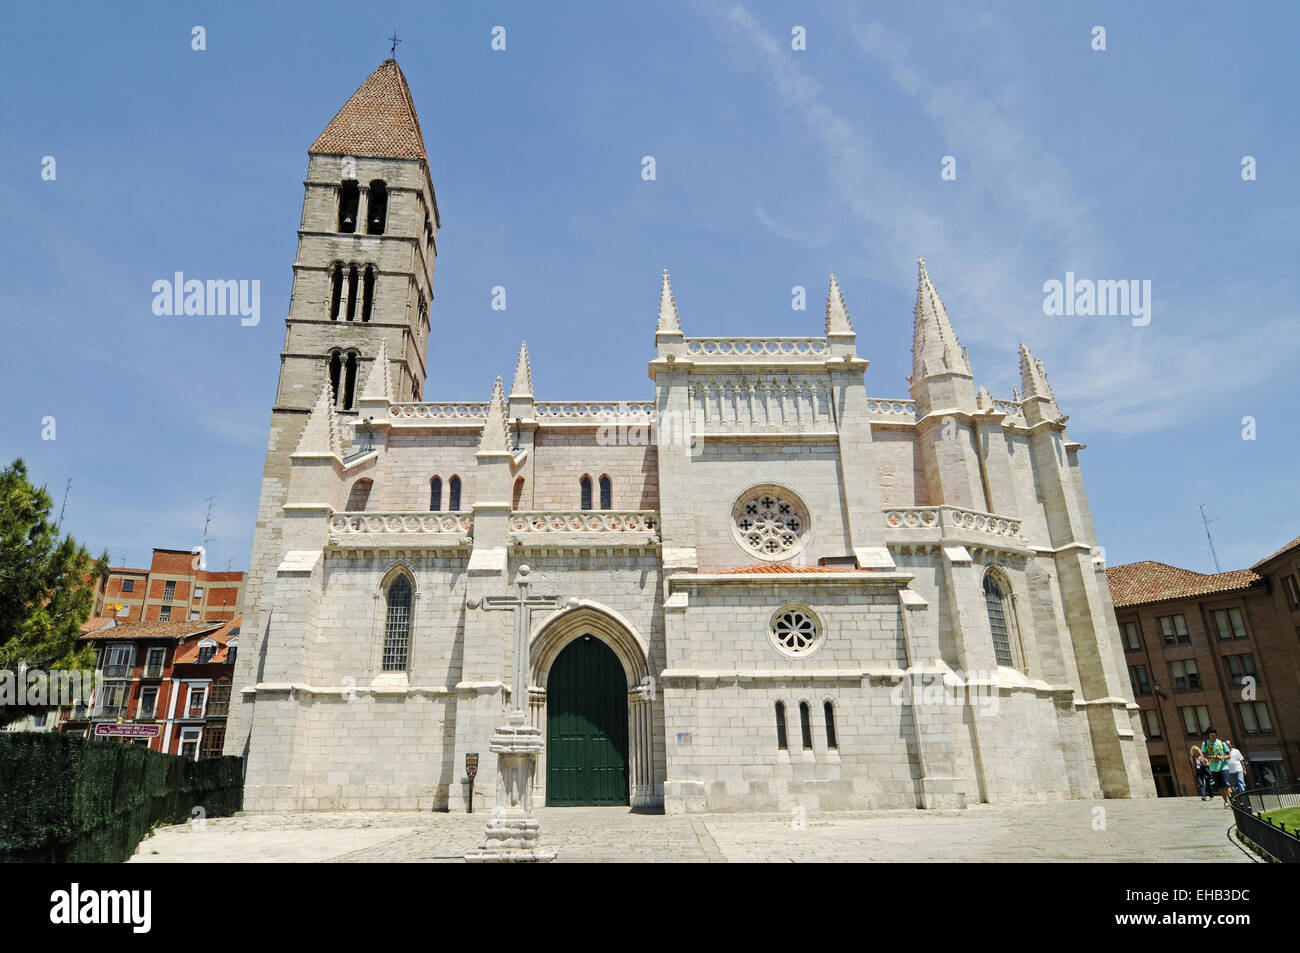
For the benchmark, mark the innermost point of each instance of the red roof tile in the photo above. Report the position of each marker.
(1285, 549)
(758, 568)
(379, 120)
(97, 623)
(153, 630)
(1134, 584)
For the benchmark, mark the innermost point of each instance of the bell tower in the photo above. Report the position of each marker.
(362, 288)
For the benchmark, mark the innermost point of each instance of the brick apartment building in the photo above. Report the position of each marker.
(1219, 649)
(172, 589)
(164, 684)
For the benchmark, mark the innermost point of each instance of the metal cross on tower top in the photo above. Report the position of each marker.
(395, 40)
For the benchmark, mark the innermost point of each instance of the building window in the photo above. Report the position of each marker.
(805, 726)
(359, 495)
(1130, 633)
(606, 493)
(1240, 667)
(1186, 678)
(1230, 624)
(336, 289)
(377, 208)
(169, 591)
(1174, 630)
(190, 743)
(453, 494)
(123, 612)
(1254, 718)
(781, 742)
(367, 293)
(397, 625)
(128, 585)
(349, 379)
(1196, 718)
(205, 654)
(165, 614)
(435, 494)
(1152, 724)
(584, 493)
(829, 711)
(335, 372)
(770, 522)
(996, 606)
(118, 661)
(1137, 676)
(153, 666)
(219, 704)
(231, 653)
(148, 702)
(194, 616)
(352, 292)
(198, 592)
(194, 704)
(349, 197)
(1292, 591)
(213, 740)
(795, 632)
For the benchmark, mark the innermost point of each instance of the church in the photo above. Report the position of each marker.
(774, 590)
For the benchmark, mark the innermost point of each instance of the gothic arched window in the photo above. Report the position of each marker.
(335, 371)
(349, 379)
(995, 602)
(352, 292)
(453, 494)
(805, 725)
(606, 493)
(349, 196)
(584, 486)
(377, 215)
(780, 726)
(829, 710)
(359, 495)
(397, 625)
(336, 289)
(435, 494)
(367, 293)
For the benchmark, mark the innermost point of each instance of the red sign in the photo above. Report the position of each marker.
(126, 731)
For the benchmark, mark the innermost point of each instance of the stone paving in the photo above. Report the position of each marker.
(1155, 830)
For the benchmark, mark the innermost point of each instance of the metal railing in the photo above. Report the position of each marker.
(1282, 844)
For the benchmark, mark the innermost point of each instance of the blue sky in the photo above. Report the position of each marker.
(774, 167)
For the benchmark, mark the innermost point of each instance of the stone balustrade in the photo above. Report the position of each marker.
(551, 411)
(450, 412)
(755, 347)
(392, 524)
(952, 519)
(886, 410)
(611, 522)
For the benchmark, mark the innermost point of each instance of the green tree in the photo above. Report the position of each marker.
(47, 584)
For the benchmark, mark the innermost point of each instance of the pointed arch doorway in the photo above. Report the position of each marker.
(586, 726)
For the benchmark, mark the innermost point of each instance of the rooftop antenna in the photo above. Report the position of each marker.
(1207, 523)
(393, 51)
(207, 520)
(66, 490)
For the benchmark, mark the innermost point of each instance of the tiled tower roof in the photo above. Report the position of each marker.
(378, 121)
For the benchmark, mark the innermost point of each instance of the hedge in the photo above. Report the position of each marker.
(70, 799)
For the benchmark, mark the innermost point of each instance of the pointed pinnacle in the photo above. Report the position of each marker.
(379, 383)
(523, 384)
(668, 320)
(837, 312)
(496, 430)
(935, 348)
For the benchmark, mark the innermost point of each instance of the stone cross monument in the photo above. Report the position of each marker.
(512, 834)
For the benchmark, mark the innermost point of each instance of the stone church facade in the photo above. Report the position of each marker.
(779, 591)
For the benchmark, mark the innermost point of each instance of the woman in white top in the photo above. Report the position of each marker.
(1236, 768)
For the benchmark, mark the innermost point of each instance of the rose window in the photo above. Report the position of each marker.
(770, 522)
(795, 631)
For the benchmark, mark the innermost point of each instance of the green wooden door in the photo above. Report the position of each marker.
(586, 726)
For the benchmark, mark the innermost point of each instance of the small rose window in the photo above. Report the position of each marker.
(770, 522)
(795, 631)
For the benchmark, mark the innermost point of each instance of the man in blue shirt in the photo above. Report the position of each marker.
(1219, 754)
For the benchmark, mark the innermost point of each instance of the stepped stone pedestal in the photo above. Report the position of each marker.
(512, 834)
